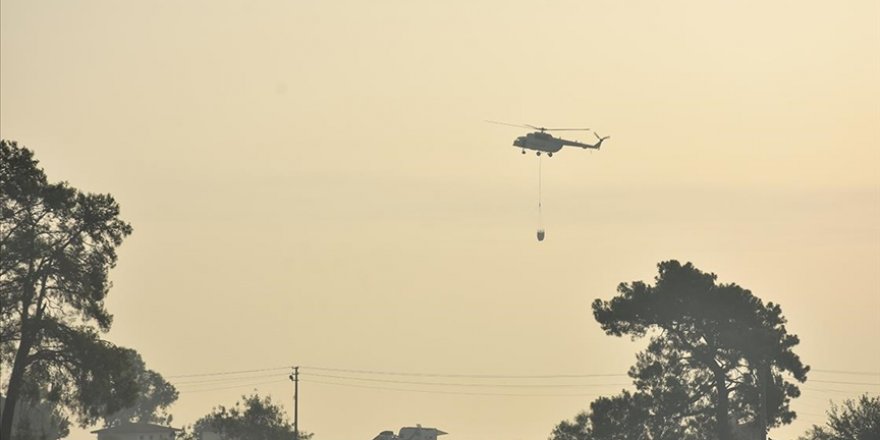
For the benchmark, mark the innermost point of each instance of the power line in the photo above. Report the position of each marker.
(224, 379)
(829, 390)
(232, 386)
(471, 376)
(843, 383)
(487, 376)
(449, 392)
(225, 373)
(230, 382)
(825, 396)
(467, 384)
(215, 380)
(856, 373)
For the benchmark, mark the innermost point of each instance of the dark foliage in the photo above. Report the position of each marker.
(38, 421)
(716, 354)
(155, 395)
(253, 418)
(57, 246)
(855, 420)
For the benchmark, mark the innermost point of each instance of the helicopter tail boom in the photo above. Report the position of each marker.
(595, 146)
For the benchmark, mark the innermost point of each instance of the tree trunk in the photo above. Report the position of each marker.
(721, 407)
(763, 377)
(16, 378)
(20, 363)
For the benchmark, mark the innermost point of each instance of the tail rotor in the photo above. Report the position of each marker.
(599, 144)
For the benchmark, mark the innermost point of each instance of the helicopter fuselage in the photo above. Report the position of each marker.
(544, 142)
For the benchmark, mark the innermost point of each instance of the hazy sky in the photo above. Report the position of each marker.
(313, 183)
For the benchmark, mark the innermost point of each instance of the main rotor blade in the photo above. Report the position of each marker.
(511, 125)
(537, 128)
(557, 129)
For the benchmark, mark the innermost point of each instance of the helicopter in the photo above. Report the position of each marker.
(543, 142)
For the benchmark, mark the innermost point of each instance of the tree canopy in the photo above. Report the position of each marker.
(38, 421)
(624, 416)
(252, 418)
(57, 246)
(854, 420)
(719, 360)
(154, 397)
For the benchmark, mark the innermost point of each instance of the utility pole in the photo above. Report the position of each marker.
(295, 378)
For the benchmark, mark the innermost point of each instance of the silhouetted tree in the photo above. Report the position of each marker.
(154, 397)
(620, 417)
(853, 421)
(57, 245)
(253, 418)
(578, 429)
(38, 421)
(717, 351)
(630, 416)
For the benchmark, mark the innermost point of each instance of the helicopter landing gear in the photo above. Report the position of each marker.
(549, 154)
(524, 151)
(537, 153)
